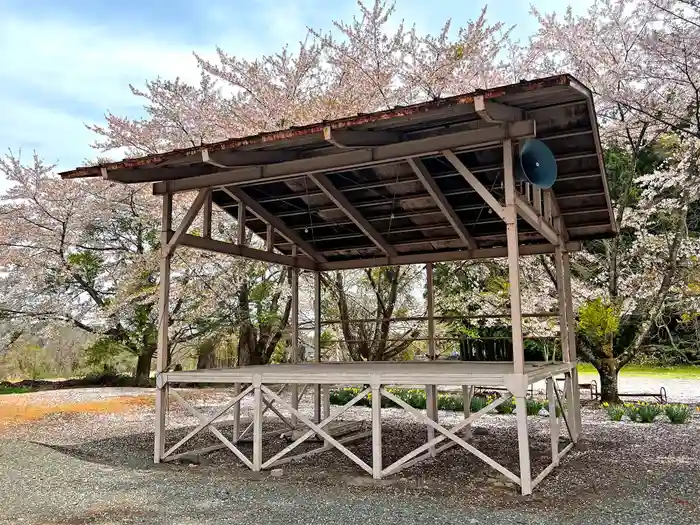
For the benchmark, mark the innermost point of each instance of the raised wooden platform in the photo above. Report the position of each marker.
(384, 373)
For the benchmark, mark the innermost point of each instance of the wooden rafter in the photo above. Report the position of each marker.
(441, 201)
(475, 183)
(340, 200)
(243, 198)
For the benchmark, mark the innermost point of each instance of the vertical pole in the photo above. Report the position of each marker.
(467, 394)
(553, 420)
(513, 259)
(561, 296)
(206, 216)
(516, 317)
(257, 424)
(376, 431)
(236, 414)
(317, 343)
(241, 223)
(237, 386)
(431, 390)
(295, 333)
(270, 238)
(431, 310)
(163, 324)
(523, 444)
(575, 394)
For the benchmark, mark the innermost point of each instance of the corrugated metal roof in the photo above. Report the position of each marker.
(389, 195)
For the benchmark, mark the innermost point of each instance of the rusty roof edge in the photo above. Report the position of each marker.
(317, 128)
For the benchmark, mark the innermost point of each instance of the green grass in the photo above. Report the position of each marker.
(671, 372)
(14, 390)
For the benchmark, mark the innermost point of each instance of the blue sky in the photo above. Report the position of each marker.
(63, 64)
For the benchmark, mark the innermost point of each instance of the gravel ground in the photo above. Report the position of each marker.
(97, 469)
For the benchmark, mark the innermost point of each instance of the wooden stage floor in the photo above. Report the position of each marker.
(481, 373)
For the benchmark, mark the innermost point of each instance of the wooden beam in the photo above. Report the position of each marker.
(227, 248)
(458, 255)
(340, 200)
(496, 112)
(353, 159)
(475, 183)
(441, 201)
(346, 138)
(188, 219)
(248, 158)
(534, 219)
(243, 198)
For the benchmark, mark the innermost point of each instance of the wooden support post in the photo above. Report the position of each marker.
(511, 216)
(236, 414)
(513, 259)
(523, 445)
(206, 216)
(270, 238)
(241, 224)
(257, 424)
(317, 342)
(431, 310)
(376, 431)
(163, 325)
(553, 420)
(295, 334)
(575, 413)
(467, 394)
(431, 396)
(561, 295)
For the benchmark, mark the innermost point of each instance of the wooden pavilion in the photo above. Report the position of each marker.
(419, 184)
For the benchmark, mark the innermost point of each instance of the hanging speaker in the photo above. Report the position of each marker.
(536, 164)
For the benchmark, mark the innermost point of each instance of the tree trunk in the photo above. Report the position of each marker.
(143, 366)
(608, 371)
(206, 353)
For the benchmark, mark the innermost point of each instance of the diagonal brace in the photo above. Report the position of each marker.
(451, 435)
(203, 419)
(205, 424)
(188, 219)
(318, 430)
(322, 424)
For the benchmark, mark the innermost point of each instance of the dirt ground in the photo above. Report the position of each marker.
(85, 457)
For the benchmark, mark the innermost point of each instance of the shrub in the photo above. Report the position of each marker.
(413, 397)
(506, 407)
(450, 402)
(647, 412)
(478, 403)
(14, 389)
(615, 412)
(631, 411)
(533, 406)
(677, 414)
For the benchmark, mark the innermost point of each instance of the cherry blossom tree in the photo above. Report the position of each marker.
(84, 254)
(640, 60)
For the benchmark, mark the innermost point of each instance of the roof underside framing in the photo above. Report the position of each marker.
(413, 185)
